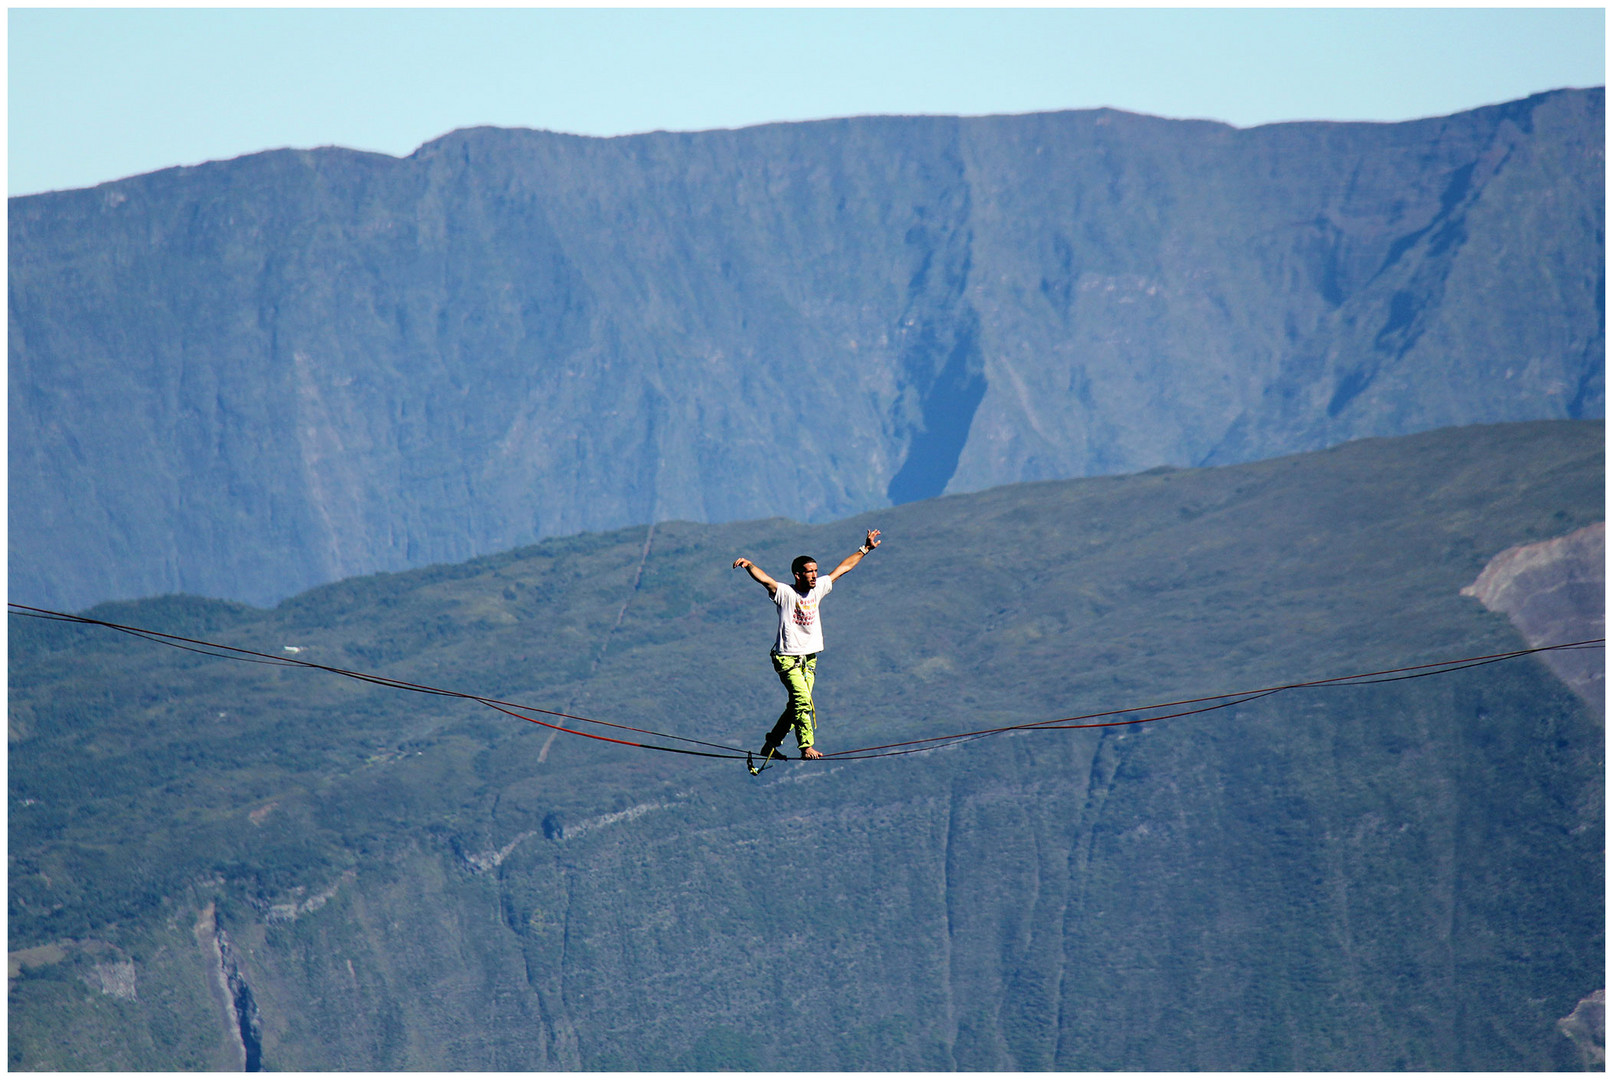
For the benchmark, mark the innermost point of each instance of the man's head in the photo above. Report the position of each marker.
(805, 569)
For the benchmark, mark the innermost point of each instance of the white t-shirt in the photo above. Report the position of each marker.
(800, 631)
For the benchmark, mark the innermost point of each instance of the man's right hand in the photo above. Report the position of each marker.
(755, 572)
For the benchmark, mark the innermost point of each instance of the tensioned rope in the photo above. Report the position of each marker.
(1133, 715)
(231, 652)
(1222, 701)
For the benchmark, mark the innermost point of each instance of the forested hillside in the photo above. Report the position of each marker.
(216, 864)
(250, 377)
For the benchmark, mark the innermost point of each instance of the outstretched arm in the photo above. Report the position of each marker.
(756, 572)
(856, 556)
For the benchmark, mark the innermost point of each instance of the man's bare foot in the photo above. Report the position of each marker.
(810, 754)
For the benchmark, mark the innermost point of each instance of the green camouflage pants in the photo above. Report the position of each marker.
(796, 673)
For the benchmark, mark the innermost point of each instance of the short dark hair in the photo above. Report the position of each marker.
(799, 565)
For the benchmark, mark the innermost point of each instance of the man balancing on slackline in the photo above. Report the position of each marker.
(799, 640)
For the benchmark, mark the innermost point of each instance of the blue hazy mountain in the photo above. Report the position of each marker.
(253, 376)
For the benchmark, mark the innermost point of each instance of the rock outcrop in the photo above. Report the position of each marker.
(1586, 1026)
(1555, 592)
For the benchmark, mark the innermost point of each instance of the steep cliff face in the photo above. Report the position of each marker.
(249, 377)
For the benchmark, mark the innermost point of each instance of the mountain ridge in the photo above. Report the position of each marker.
(245, 378)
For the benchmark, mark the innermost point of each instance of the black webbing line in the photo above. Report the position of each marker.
(231, 652)
(1209, 703)
(1414, 671)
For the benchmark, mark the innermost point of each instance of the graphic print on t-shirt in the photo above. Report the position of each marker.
(800, 631)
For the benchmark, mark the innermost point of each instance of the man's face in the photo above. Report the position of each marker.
(807, 577)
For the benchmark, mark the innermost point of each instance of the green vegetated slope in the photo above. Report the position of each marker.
(1407, 875)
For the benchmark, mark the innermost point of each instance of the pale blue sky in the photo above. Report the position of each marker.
(99, 94)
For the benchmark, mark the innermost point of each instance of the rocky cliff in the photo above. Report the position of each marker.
(1556, 591)
(249, 377)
